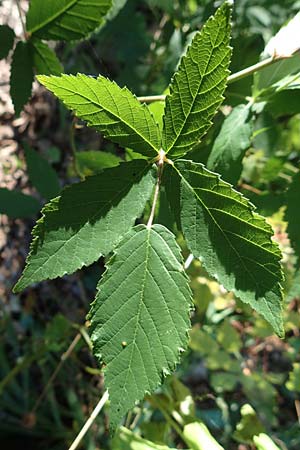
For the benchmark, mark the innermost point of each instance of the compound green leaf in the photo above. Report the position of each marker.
(41, 174)
(231, 143)
(15, 204)
(113, 111)
(233, 242)
(7, 37)
(196, 90)
(65, 19)
(140, 317)
(292, 213)
(87, 221)
(21, 76)
(44, 59)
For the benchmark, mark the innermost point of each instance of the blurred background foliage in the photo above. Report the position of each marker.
(237, 381)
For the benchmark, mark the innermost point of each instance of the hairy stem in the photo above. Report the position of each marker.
(231, 79)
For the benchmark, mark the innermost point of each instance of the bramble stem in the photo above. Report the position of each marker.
(231, 79)
(21, 18)
(90, 421)
(255, 68)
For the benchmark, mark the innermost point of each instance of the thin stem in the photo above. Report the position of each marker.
(250, 188)
(63, 358)
(231, 79)
(21, 19)
(90, 421)
(160, 164)
(188, 261)
(152, 98)
(255, 68)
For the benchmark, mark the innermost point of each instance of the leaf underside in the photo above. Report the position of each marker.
(233, 242)
(44, 59)
(87, 221)
(196, 91)
(65, 19)
(231, 144)
(113, 111)
(140, 317)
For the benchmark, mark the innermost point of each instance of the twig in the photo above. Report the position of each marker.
(90, 421)
(151, 98)
(63, 358)
(159, 31)
(297, 407)
(250, 188)
(231, 79)
(21, 19)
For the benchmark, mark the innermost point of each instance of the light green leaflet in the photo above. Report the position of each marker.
(140, 317)
(233, 242)
(292, 214)
(231, 144)
(127, 440)
(65, 19)
(113, 111)
(197, 88)
(87, 221)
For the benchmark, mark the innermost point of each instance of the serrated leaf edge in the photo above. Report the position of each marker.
(165, 371)
(43, 79)
(267, 229)
(178, 72)
(40, 224)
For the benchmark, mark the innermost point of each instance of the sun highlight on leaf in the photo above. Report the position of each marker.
(196, 90)
(140, 317)
(113, 111)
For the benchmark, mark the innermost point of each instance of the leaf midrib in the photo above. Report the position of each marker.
(219, 227)
(53, 17)
(76, 235)
(139, 307)
(197, 93)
